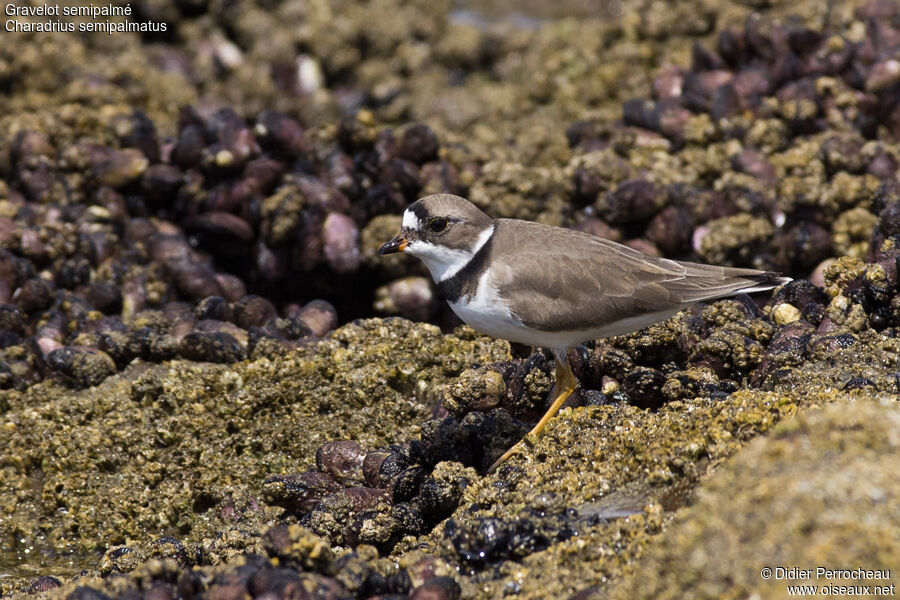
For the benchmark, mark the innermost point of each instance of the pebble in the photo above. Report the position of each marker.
(83, 365)
(785, 313)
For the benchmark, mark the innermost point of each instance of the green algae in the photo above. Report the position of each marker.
(851, 231)
(162, 449)
(820, 491)
(735, 239)
(653, 463)
(513, 190)
(268, 416)
(656, 459)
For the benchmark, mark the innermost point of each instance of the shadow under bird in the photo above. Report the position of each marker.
(552, 287)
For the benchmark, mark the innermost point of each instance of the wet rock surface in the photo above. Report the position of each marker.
(194, 402)
(761, 498)
(160, 436)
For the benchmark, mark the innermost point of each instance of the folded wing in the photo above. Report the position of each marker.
(580, 279)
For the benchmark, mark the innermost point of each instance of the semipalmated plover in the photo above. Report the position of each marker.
(552, 287)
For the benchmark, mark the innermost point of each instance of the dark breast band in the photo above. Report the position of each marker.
(464, 282)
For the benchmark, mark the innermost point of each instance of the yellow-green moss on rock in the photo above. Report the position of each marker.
(159, 449)
(821, 491)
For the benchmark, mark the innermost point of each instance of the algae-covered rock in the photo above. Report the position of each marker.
(617, 475)
(751, 133)
(177, 448)
(734, 239)
(84, 365)
(820, 491)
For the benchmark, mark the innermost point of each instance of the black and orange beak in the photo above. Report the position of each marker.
(398, 244)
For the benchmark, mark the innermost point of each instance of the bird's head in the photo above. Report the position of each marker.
(442, 230)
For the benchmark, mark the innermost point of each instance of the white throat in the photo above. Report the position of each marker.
(444, 262)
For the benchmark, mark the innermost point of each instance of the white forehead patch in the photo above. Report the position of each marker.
(410, 220)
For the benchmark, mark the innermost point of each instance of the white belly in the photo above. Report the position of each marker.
(487, 312)
(490, 317)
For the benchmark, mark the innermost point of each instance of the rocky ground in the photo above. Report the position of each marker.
(211, 385)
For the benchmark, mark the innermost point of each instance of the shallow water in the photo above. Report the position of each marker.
(25, 563)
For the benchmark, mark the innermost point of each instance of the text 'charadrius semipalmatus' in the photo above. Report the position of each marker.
(552, 287)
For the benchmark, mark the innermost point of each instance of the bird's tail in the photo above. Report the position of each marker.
(764, 281)
(708, 282)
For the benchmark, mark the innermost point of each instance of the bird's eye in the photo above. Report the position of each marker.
(438, 225)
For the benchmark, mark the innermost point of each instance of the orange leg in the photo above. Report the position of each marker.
(562, 389)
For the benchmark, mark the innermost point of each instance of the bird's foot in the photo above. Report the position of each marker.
(565, 385)
(506, 456)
